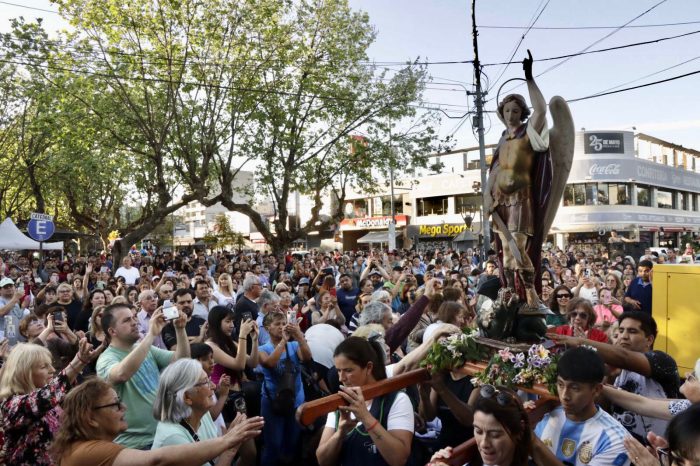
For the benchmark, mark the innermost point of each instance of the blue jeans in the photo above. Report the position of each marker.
(280, 436)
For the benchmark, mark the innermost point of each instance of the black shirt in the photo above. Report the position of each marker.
(243, 305)
(192, 329)
(72, 311)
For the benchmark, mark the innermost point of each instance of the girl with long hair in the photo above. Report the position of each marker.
(226, 294)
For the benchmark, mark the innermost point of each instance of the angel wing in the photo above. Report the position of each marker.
(561, 149)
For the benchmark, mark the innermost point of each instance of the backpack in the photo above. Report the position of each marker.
(282, 403)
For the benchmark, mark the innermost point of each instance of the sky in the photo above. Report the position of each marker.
(441, 30)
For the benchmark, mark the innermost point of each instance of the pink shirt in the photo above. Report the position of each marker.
(603, 313)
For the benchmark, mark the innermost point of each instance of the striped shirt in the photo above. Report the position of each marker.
(596, 441)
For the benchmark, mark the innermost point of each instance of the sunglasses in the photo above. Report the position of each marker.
(562, 296)
(489, 391)
(583, 315)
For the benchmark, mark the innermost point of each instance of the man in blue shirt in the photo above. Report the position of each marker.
(579, 432)
(638, 295)
(347, 296)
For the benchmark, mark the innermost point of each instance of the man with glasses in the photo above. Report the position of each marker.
(182, 299)
(579, 432)
(148, 303)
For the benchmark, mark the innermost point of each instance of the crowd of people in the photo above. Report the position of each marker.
(196, 359)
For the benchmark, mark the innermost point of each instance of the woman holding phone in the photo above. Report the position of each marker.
(280, 360)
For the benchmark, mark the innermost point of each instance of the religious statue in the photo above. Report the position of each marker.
(526, 181)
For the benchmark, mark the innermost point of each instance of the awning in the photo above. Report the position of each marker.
(466, 235)
(376, 237)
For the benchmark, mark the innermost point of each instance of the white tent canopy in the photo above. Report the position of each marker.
(13, 239)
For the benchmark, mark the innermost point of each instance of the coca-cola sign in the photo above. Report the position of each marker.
(604, 169)
(604, 143)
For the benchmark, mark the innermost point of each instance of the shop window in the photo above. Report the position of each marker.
(643, 196)
(603, 194)
(465, 203)
(432, 206)
(579, 194)
(386, 205)
(664, 199)
(619, 194)
(591, 194)
(356, 208)
(569, 195)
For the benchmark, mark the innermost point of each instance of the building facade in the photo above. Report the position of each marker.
(645, 188)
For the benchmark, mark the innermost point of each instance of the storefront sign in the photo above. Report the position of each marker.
(445, 229)
(372, 222)
(604, 143)
(633, 170)
(562, 220)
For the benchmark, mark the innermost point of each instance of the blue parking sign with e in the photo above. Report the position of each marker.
(41, 230)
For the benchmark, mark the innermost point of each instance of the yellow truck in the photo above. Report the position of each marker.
(676, 309)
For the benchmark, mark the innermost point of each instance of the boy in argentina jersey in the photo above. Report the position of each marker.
(579, 432)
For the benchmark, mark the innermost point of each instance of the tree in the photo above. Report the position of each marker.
(225, 234)
(180, 96)
(318, 91)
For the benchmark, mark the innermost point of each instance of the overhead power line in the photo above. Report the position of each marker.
(635, 87)
(573, 28)
(30, 7)
(607, 49)
(650, 75)
(585, 49)
(515, 50)
(615, 31)
(423, 105)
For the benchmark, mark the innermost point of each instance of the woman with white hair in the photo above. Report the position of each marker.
(182, 405)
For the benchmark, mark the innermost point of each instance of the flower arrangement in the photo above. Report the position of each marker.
(506, 368)
(453, 351)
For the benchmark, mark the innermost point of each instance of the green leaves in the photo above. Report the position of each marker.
(158, 103)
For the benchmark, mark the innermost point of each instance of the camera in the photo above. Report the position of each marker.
(170, 312)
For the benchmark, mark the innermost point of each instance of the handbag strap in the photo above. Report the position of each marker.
(194, 435)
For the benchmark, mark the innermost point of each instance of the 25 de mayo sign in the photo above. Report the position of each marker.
(604, 143)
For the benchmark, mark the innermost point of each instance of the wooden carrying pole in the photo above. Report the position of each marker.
(308, 412)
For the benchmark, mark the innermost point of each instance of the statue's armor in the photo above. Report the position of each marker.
(511, 191)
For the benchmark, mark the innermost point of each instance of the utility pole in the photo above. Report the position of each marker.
(485, 224)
